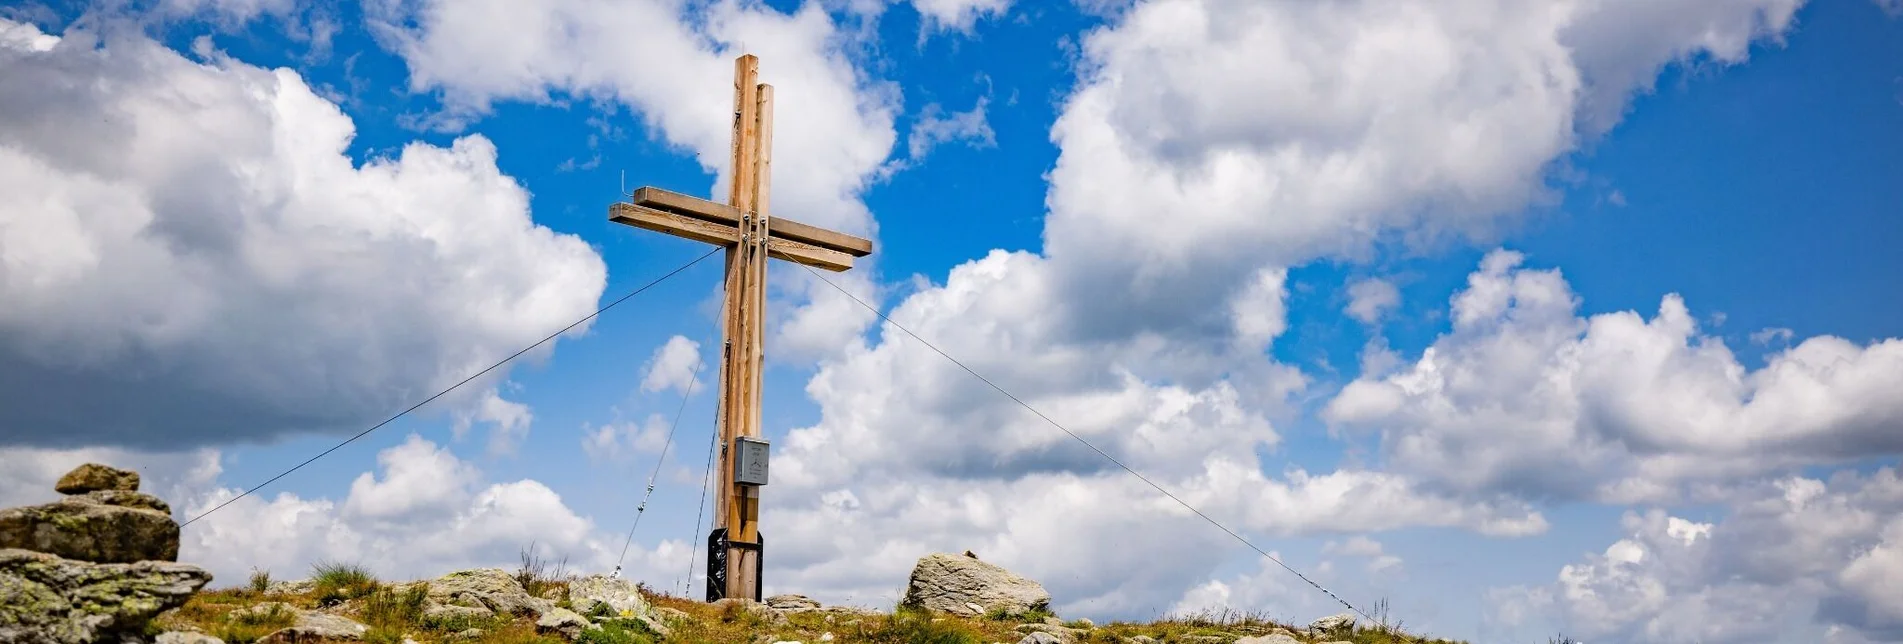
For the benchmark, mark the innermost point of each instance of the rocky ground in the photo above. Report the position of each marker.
(97, 567)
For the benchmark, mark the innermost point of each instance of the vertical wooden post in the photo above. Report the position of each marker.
(742, 563)
(742, 311)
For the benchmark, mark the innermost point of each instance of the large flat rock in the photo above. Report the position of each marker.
(44, 598)
(116, 527)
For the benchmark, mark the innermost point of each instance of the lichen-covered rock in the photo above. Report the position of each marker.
(1041, 638)
(44, 598)
(792, 603)
(127, 499)
(88, 529)
(599, 595)
(434, 613)
(186, 637)
(490, 588)
(292, 587)
(1272, 638)
(966, 586)
(313, 626)
(93, 476)
(621, 597)
(562, 621)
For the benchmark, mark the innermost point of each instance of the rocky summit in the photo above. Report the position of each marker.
(95, 566)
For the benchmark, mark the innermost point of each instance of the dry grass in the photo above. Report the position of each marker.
(394, 615)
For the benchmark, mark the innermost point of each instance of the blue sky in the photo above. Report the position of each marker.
(1741, 158)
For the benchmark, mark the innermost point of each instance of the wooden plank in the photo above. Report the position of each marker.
(806, 233)
(672, 224)
(808, 254)
(720, 213)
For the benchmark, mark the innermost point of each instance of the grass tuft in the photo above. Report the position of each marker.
(260, 581)
(250, 626)
(538, 575)
(338, 582)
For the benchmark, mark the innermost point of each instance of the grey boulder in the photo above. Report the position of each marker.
(45, 598)
(490, 589)
(90, 529)
(967, 586)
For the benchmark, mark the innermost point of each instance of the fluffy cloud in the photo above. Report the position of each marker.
(425, 513)
(615, 440)
(185, 237)
(935, 127)
(675, 365)
(958, 15)
(27, 474)
(1369, 299)
(1208, 145)
(1526, 397)
(833, 124)
(1797, 560)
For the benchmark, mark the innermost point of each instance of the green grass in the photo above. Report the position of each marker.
(910, 626)
(1035, 615)
(260, 581)
(250, 626)
(338, 582)
(617, 631)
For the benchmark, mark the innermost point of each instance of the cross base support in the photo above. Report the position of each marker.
(717, 548)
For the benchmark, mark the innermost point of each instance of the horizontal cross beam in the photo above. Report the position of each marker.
(722, 234)
(723, 214)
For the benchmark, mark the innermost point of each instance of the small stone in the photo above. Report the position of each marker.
(1332, 623)
(621, 597)
(186, 637)
(1084, 622)
(794, 603)
(470, 634)
(93, 476)
(1041, 638)
(312, 625)
(561, 620)
(1274, 638)
(439, 613)
(826, 636)
(490, 588)
(1053, 621)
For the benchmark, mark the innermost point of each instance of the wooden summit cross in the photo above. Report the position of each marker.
(742, 226)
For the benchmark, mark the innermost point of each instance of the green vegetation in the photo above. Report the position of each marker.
(618, 631)
(260, 581)
(339, 582)
(911, 626)
(245, 627)
(396, 612)
(537, 575)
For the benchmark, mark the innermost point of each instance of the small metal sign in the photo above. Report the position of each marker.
(749, 464)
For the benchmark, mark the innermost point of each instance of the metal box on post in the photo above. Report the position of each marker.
(749, 464)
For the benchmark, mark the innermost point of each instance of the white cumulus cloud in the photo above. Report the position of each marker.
(191, 240)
